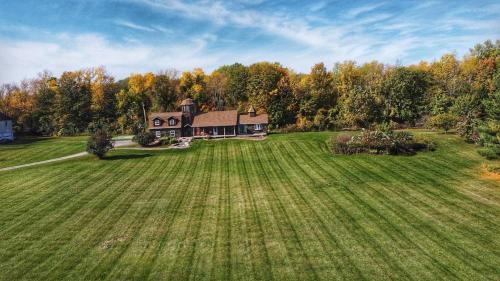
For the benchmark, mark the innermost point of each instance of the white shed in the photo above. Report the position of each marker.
(6, 132)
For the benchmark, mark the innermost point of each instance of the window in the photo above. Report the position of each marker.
(171, 122)
(172, 133)
(158, 134)
(258, 127)
(157, 122)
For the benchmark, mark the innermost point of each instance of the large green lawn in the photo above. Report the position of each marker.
(282, 209)
(30, 149)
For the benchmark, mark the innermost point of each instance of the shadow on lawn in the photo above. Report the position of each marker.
(127, 156)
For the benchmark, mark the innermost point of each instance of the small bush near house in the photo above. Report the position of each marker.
(378, 142)
(99, 142)
(144, 138)
(168, 141)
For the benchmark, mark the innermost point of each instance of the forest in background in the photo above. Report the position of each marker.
(446, 93)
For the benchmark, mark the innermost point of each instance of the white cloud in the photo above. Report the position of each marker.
(363, 9)
(133, 25)
(24, 59)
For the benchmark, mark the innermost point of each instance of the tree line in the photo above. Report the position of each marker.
(448, 93)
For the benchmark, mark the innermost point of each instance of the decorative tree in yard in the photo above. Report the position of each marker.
(99, 142)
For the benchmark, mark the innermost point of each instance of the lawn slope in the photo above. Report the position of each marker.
(280, 209)
(30, 149)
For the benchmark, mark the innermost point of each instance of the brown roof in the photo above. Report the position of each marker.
(164, 116)
(246, 119)
(216, 118)
(187, 101)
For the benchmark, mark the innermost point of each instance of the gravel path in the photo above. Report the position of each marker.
(45, 161)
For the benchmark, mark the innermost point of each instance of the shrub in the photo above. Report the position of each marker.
(490, 139)
(99, 142)
(168, 140)
(377, 142)
(144, 138)
(443, 121)
(467, 128)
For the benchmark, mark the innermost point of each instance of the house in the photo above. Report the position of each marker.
(6, 133)
(189, 123)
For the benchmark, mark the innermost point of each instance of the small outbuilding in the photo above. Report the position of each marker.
(6, 133)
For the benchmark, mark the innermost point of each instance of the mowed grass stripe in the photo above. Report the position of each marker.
(75, 227)
(48, 218)
(315, 229)
(448, 195)
(400, 210)
(279, 209)
(392, 243)
(181, 190)
(256, 240)
(355, 229)
(64, 265)
(91, 237)
(25, 196)
(312, 242)
(180, 268)
(134, 263)
(434, 208)
(279, 227)
(341, 237)
(132, 222)
(160, 267)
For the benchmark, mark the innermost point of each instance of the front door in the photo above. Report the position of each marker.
(216, 131)
(188, 131)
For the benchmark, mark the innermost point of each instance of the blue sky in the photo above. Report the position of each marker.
(129, 36)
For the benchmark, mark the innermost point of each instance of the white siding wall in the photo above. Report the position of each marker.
(6, 130)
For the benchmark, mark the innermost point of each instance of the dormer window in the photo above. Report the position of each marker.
(171, 122)
(157, 122)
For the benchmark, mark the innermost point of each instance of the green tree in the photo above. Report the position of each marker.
(164, 92)
(44, 107)
(73, 109)
(404, 90)
(279, 102)
(236, 77)
(99, 141)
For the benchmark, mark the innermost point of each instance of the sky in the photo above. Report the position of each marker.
(130, 36)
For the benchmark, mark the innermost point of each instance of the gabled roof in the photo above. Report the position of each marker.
(246, 119)
(4, 117)
(164, 116)
(216, 118)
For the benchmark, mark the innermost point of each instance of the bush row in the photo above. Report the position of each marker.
(380, 142)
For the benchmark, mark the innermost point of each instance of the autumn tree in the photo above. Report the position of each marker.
(262, 80)
(104, 90)
(44, 107)
(164, 91)
(236, 77)
(216, 89)
(404, 91)
(279, 103)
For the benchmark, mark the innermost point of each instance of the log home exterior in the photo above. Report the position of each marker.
(189, 123)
